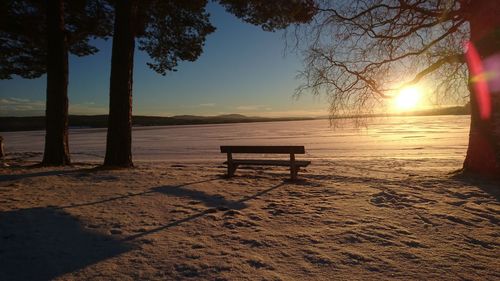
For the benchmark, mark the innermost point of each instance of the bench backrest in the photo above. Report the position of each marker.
(262, 149)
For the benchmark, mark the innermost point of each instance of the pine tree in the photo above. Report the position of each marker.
(35, 38)
(173, 31)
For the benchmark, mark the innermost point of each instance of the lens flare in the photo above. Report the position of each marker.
(482, 93)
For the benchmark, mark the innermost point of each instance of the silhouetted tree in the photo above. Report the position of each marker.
(172, 31)
(360, 52)
(35, 38)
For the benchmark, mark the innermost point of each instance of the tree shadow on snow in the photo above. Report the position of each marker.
(217, 203)
(210, 200)
(128, 195)
(44, 243)
(489, 186)
(45, 173)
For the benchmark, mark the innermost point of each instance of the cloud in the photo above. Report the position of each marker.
(206, 105)
(294, 113)
(16, 107)
(19, 100)
(201, 105)
(268, 111)
(27, 107)
(250, 107)
(88, 108)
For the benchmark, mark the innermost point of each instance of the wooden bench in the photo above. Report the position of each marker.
(232, 164)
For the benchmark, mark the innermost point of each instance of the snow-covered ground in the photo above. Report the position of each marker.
(375, 204)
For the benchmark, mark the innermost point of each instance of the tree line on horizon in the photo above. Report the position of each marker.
(355, 51)
(35, 123)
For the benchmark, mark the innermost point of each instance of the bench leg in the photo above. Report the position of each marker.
(293, 169)
(293, 172)
(231, 168)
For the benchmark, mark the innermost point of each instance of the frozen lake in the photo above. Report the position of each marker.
(427, 137)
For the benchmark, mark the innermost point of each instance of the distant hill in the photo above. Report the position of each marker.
(454, 110)
(217, 117)
(101, 121)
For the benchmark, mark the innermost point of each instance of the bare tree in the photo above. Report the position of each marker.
(359, 53)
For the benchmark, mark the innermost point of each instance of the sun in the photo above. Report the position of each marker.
(407, 99)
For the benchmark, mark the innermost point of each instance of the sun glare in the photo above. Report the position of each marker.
(407, 99)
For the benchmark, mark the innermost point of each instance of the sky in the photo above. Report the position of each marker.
(242, 70)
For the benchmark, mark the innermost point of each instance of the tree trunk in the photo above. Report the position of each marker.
(119, 138)
(56, 110)
(483, 58)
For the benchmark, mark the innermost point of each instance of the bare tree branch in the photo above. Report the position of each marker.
(357, 53)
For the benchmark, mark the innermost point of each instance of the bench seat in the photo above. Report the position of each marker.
(295, 165)
(269, 162)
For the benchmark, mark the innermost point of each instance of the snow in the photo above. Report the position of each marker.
(396, 137)
(375, 204)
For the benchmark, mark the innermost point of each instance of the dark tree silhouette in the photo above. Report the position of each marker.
(172, 31)
(56, 150)
(35, 38)
(360, 52)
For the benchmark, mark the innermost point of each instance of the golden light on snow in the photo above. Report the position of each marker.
(407, 99)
